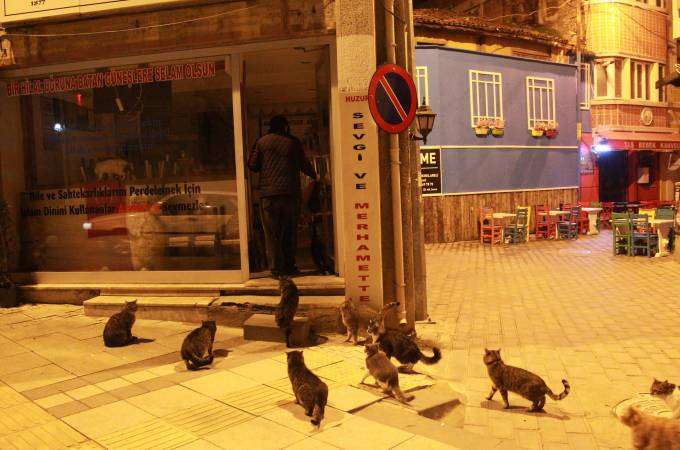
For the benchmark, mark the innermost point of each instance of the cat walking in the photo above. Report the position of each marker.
(285, 313)
(652, 433)
(379, 366)
(197, 347)
(118, 329)
(666, 391)
(310, 392)
(401, 346)
(506, 378)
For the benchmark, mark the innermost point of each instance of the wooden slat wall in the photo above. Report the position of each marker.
(451, 218)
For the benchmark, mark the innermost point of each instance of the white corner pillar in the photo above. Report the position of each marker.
(360, 174)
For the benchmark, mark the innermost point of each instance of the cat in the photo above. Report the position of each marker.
(111, 168)
(400, 345)
(652, 433)
(285, 312)
(666, 392)
(506, 378)
(356, 316)
(197, 348)
(310, 392)
(118, 329)
(386, 375)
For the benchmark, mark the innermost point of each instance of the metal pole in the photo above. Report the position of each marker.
(394, 171)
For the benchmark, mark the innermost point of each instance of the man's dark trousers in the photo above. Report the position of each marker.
(279, 219)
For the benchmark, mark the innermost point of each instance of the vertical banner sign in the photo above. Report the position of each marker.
(431, 170)
(361, 184)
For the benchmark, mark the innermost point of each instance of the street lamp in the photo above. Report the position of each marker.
(425, 119)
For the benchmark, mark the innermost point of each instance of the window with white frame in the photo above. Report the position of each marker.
(586, 85)
(540, 100)
(640, 73)
(422, 86)
(486, 96)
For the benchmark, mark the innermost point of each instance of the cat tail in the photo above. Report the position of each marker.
(436, 356)
(197, 362)
(319, 408)
(563, 394)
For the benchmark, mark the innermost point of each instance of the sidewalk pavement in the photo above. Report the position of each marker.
(562, 309)
(61, 388)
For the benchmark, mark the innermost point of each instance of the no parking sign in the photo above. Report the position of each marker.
(392, 98)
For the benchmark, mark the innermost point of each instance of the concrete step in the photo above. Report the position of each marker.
(262, 327)
(322, 311)
(311, 285)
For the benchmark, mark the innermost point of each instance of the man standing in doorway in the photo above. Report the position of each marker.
(279, 158)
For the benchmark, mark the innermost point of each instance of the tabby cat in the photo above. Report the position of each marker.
(118, 329)
(197, 348)
(506, 378)
(386, 376)
(310, 392)
(356, 317)
(285, 313)
(652, 433)
(666, 392)
(400, 345)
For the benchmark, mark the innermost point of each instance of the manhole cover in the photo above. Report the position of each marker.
(646, 403)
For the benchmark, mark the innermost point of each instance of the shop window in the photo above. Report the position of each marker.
(486, 96)
(608, 78)
(540, 100)
(662, 89)
(586, 85)
(422, 85)
(138, 174)
(640, 80)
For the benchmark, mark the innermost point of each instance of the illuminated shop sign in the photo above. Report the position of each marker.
(111, 78)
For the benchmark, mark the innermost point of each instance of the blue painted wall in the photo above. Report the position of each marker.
(475, 168)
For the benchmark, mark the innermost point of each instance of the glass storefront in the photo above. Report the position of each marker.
(131, 169)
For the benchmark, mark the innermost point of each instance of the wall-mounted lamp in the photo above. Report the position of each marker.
(425, 119)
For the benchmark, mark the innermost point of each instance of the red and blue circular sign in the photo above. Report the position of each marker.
(392, 98)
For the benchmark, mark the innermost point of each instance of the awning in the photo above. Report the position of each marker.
(627, 140)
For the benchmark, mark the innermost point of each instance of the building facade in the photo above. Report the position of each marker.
(507, 125)
(631, 154)
(128, 126)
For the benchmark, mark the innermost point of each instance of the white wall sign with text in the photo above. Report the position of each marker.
(361, 184)
(22, 10)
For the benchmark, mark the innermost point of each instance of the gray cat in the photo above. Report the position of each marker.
(197, 348)
(385, 374)
(310, 392)
(118, 329)
(506, 378)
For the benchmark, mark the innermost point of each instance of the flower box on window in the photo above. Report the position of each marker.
(551, 131)
(538, 130)
(498, 127)
(482, 127)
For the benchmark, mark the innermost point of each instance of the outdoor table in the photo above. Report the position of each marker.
(592, 219)
(558, 212)
(663, 228)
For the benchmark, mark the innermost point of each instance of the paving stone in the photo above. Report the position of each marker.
(37, 377)
(10, 397)
(207, 418)
(349, 398)
(219, 384)
(258, 400)
(262, 371)
(155, 434)
(139, 376)
(53, 400)
(98, 400)
(112, 384)
(98, 422)
(251, 435)
(84, 392)
(420, 442)
(381, 436)
(67, 409)
(126, 392)
(167, 401)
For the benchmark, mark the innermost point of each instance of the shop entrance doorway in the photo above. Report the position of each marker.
(294, 83)
(613, 167)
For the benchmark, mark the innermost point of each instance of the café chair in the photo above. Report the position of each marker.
(621, 233)
(489, 231)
